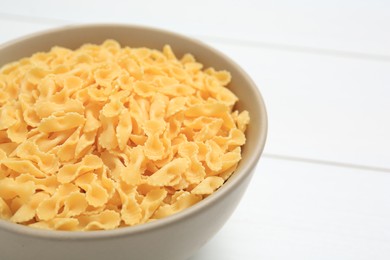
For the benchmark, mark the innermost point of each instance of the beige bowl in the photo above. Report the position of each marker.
(177, 236)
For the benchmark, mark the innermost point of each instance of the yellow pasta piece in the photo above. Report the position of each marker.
(151, 202)
(235, 138)
(70, 172)
(179, 73)
(112, 109)
(178, 90)
(169, 174)
(96, 195)
(72, 83)
(168, 52)
(213, 109)
(144, 89)
(3, 154)
(186, 200)
(23, 166)
(4, 137)
(131, 174)
(35, 75)
(124, 129)
(226, 96)
(46, 87)
(91, 115)
(66, 151)
(107, 138)
(176, 105)
(105, 75)
(158, 106)
(107, 219)
(114, 163)
(174, 126)
(5, 211)
(31, 117)
(61, 123)
(243, 120)
(208, 130)
(49, 208)
(196, 172)
(125, 81)
(94, 93)
(10, 189)
(230, 159)
(154, 147)
(7, 116)
(227, 173)
(46, 108)
(51, 142)
(46, 162)
(85, 143)
(131, 212)
(27, 211)
(18, 132)
(103, 175)
(47, 184)
(213, 156)
(208, 185)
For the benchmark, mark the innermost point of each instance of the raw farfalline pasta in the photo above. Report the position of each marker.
(107, 136)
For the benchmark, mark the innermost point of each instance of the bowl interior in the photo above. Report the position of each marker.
(137, 36)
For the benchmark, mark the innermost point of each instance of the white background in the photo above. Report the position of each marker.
(322, 187)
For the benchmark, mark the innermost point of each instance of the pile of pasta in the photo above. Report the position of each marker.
(107, 136)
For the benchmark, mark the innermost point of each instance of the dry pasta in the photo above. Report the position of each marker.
(106, 136)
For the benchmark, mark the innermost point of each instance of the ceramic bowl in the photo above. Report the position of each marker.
(175, 237)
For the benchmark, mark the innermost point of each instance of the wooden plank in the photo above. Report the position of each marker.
(296, 210)
(346, 25)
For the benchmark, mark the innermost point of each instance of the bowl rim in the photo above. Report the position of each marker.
(169, 220)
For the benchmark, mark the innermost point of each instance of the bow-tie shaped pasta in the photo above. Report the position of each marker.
(106, 136)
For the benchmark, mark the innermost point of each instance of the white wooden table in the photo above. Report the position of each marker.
(322, 188)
